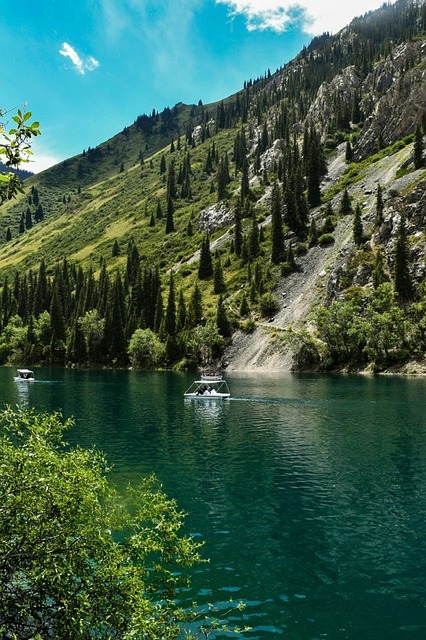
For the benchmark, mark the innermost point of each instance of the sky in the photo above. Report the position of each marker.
(88, 68)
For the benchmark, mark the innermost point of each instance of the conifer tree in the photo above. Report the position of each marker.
(133, 262)
(151, 221)
(163, 167)
(169, 219)
(218, 279)
(238, 234)
(39, 214)
(290, 207)
(171, 181)
(418, 148)
(8, 234)
(245, 186)
(181, 313)
(313, 234)
(222, 321)
(379, 275)
(22, 225)
(223, 178)
(277, 232)
(159, 312)
(41, 301)
(28, 219)
(205, 268)
(357, 229)
(345, 204)
(57, 320)
(402, 278)
(349, 154)
(254, 246)
(379, 205)
(115, 323)
(194, 315)
(244, 306)
(170, 321)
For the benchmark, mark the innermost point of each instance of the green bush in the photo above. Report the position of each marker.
(268, 305)
(326, 239)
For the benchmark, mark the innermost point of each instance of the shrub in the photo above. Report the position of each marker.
(268, 305)
(326, 239)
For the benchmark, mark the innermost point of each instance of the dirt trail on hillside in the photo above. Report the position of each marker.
(302, 291)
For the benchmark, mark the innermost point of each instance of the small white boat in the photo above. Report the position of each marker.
(210, 387)
(24, 375)
(211, 377)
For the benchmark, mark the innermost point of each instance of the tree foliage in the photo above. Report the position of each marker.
(15, 149)
(76, 559)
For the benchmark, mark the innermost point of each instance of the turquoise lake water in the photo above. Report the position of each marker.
(310, 491)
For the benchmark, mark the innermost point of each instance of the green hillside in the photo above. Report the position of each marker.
(87, 252)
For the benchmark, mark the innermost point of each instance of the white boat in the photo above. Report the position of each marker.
(24, 375)
(210, 387)
(211, 377)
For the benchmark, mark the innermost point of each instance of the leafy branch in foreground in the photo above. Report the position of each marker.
(15, 149)
(78, 560)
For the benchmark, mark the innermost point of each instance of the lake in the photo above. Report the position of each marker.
(309, 490)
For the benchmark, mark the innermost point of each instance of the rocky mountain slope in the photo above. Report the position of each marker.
(317, 278)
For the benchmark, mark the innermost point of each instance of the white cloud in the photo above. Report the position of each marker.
(81, 64)
(41, 157)
(313, 16)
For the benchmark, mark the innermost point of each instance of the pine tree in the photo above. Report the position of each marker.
(57, 320)
(181, 313)
(418, 148)
(379, 205)
(402, 278)
(357, 229)
(238, 234)
(170, 314)
(223, 178)
(313, 234)
(169, 219)
(345, 204)
(159, 312)
(379, 275)
(245, 185)
(8, 234)
(39, 214)
(277, 232)
(28, 219)
(171, 181)
(349, 154)
(218, 279)
(115, 323)
(41, 299)
(115, 249)
(244, 306)
(254, 246)
(205, 268)
(194, 315)
(222, 321)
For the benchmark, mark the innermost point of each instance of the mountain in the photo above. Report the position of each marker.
(19, 172)
(281, 227)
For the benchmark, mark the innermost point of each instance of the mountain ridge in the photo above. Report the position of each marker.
(311, 131)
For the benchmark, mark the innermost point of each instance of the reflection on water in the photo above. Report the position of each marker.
(310, 491)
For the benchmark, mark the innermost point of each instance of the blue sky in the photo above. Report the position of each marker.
(88, 68)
